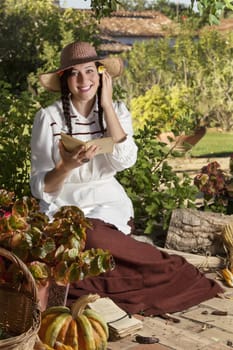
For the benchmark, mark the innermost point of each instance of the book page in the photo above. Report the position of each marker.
(108, 309)
(105, 144)
(119, 322)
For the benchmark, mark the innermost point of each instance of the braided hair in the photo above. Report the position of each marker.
(65, 92)
(100, 108)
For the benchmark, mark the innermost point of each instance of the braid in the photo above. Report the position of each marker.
(65, 100)
(100, 108)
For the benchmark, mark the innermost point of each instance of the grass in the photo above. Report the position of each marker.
(214, 144)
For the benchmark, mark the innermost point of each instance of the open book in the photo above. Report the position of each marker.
(119, 322)
(70, 143)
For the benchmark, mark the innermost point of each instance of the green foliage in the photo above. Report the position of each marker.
(104, 8)
(138, 5)
(172, 9)
(202, 67)
(152, 185)
(213, 81)
(170, 109)
(50, 249)
(22, 28)
(15, 130)
(211, 11)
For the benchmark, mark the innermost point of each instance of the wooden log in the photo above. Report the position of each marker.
(196, 231)
(200, 261)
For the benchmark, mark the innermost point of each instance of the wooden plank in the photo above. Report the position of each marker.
(197, 260)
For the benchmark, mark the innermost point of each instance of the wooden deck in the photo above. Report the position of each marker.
(193, 329)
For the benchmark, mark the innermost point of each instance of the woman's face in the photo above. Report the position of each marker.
(83, 81)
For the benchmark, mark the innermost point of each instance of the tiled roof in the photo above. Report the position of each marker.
(146, 23)
(131, 24)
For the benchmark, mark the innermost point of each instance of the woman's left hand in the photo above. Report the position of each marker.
(114, 128)
(106, 95)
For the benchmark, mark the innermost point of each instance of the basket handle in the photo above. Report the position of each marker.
(18, 262)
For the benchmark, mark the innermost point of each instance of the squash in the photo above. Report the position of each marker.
(227, 236)
(78, 328)
(227, 276)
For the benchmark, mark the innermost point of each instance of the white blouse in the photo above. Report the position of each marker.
(93, 186)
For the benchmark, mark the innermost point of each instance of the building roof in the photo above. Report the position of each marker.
(131, 23)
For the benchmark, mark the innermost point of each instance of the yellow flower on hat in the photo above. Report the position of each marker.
(101, 69)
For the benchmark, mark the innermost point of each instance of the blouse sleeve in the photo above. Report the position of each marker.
(124, 153)
(41, 155)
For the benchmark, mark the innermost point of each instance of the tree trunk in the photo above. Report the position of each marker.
(195, 231)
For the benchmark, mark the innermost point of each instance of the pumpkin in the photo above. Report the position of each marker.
(78, 328)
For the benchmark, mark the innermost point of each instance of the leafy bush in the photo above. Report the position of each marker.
(152, 185)
(203, 65)
(171, 109)
(51, 250)
(216, 187)
(15, 130)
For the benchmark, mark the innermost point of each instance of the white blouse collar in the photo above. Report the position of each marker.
(74, 112)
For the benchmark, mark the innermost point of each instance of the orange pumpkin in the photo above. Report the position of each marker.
(78, 328)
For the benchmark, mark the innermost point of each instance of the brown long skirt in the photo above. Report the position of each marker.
(144, 279)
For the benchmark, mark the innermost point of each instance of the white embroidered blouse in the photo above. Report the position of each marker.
(93, 186)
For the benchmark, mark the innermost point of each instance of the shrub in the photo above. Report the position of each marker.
(170, 108)
(216, 187)
(152, 185)
(51, 250)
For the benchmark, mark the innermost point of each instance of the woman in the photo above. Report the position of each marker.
(144, 279)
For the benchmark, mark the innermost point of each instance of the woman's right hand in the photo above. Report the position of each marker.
(55, 178)
(76, 158)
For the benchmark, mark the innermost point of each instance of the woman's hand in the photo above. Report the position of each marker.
(79, 156)
(114, 127)
(55, 178)
(107, 89)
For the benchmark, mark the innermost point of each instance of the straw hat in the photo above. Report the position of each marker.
(76, 53)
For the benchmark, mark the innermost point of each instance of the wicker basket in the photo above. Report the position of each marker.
(19, 310)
